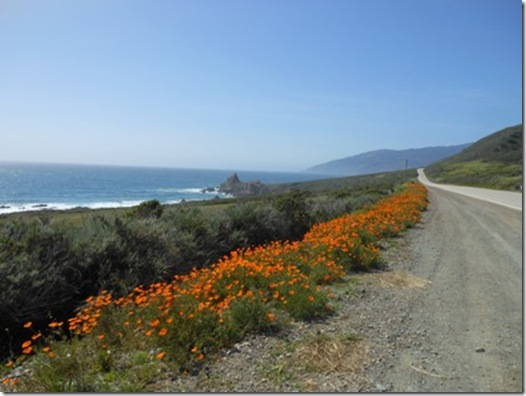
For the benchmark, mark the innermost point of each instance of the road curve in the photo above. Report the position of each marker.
(509, 199)
(472, 310)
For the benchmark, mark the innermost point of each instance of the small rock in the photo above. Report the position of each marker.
(480, 350)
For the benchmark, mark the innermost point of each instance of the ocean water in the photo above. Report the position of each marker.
(30, 187)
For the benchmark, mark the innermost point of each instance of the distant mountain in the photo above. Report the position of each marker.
(386, 160)
(495, 161)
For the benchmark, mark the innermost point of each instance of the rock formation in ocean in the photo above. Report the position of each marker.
(237, 188)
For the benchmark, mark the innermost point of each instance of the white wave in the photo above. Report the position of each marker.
(33, 207)
(7, 208)
(193, 190)
(112, 204)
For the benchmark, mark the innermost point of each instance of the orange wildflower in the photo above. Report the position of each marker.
(163, 332)
(28, 325)
(36, 336)
(160, 355)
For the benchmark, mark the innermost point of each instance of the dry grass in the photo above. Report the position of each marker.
(329, 354)
(397, 279)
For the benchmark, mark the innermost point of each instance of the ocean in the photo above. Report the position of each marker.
(31, 187)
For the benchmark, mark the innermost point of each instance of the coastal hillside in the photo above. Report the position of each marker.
(386, 160)
(495, 161)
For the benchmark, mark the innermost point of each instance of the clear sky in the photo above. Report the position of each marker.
(252, 84)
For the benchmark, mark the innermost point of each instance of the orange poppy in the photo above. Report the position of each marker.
(36, 336)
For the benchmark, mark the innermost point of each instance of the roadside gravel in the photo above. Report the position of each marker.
(444, 316)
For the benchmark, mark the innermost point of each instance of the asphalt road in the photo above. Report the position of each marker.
(472, 311)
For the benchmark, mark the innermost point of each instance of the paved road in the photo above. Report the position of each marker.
(505, 198)
(471, 251)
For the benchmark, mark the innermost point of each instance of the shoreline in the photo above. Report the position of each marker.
(8, 210)
(35, 207)
(344, 183)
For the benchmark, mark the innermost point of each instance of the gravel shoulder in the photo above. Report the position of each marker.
(444, 316)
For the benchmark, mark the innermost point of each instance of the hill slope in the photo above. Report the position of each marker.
(386, 160)
(495, 161)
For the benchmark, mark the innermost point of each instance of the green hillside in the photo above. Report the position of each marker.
(492, 162)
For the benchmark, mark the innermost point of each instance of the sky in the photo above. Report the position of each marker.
(276, 85)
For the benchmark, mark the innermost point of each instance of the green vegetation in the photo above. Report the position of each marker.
(140, 341)
(51, 261)
(495, 161)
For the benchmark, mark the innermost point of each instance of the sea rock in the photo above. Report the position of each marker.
(237, 188)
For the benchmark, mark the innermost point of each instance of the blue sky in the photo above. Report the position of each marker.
(252, 84)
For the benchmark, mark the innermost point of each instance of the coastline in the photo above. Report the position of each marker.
(48, 187)
(7, 210)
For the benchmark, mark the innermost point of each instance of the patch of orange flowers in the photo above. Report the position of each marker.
(198, 311)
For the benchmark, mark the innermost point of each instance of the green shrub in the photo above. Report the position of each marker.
(152, 208)
(295, 209)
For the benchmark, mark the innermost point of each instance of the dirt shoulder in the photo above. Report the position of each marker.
(445, 316)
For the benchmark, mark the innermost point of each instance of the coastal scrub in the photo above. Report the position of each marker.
(175, 326)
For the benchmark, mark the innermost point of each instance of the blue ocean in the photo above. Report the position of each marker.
(29, 187)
